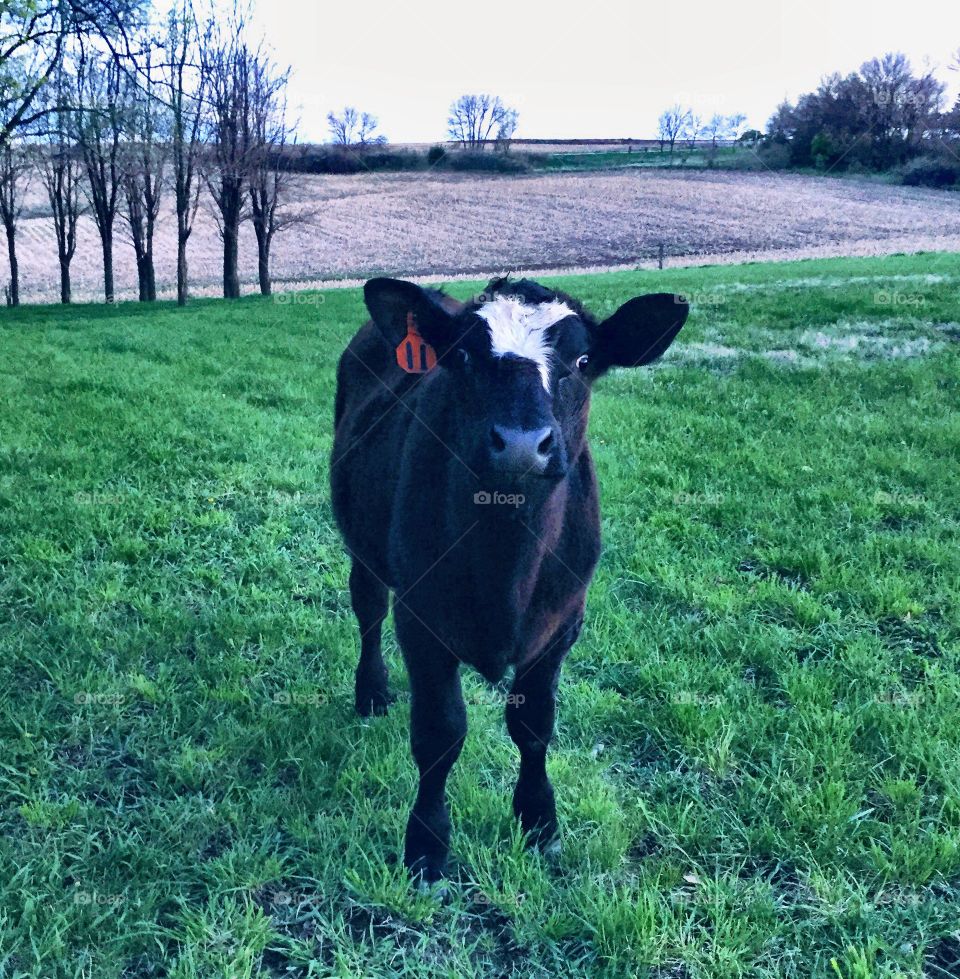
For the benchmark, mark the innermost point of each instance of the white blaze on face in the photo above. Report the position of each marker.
(518, 329)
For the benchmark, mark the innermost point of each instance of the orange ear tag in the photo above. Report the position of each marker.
(414, 354)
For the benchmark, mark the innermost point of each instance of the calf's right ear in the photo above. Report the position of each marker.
(391, 303)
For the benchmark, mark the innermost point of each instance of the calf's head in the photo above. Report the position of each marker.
(517, 364)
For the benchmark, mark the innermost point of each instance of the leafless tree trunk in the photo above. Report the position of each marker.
(61, 167)
(99, 125)
(183, 88)
(269, 135)
(228, 61)
(143, 171)
(14, 179)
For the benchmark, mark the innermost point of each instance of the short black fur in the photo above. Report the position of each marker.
(489, 561)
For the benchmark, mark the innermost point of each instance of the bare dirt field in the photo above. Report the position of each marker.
(446, 225)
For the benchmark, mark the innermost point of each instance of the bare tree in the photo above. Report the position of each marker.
(506, 127)
(715, 128)
(33, 37)
(269, 175)
(735, 124)
(183, 86)
(228, 61)
(352, 126)
(473, 119)
(99, 124)
(720, 127)
(692, 129)
(15, 173)
(367, 131)
(343, 127)
(61, 168)
(144, 164)
(672, 124)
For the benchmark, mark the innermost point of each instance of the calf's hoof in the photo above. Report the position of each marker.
(427, 871)
(373, 701)
(424, 854)
(438, 890)
(543, 837)
(534, 806)
(551, 849)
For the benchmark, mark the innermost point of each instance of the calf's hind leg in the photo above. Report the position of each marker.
(370, 598)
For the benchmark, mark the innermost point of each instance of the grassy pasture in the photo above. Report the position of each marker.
(758, 755)
(722, 156)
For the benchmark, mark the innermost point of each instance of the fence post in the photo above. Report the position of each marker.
(660, 256)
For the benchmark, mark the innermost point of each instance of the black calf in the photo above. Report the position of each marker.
(462, 481)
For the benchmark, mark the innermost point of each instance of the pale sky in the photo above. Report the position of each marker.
(590, 68)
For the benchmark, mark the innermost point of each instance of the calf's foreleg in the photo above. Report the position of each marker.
(530, 713)
(438, 728)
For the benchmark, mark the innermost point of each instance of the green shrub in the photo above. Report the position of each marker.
(774, 155)
(352, 159)
(486, 162)
(931, 171)
(436, 154)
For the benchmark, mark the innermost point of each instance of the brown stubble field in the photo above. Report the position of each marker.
(446, 224)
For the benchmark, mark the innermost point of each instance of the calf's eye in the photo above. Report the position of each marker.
(582, 362)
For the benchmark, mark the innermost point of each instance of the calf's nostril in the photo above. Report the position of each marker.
(545, 443)
(497, 440)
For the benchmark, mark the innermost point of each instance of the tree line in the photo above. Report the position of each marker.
(473, 121)
(881, 117)
(114, 114)
(679, 126)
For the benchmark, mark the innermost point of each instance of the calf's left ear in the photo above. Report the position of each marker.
(638, 332)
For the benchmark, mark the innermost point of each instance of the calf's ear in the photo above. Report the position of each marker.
(638, 332)
(392, 302)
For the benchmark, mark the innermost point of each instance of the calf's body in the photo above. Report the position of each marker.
(468, 491)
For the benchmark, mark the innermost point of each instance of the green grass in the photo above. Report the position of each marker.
(757, 759)
(723, 156)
